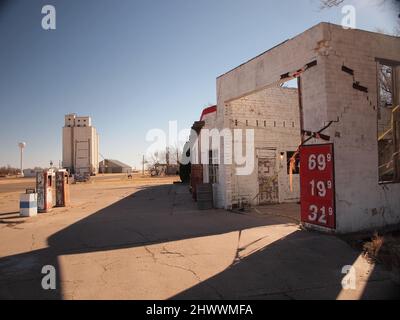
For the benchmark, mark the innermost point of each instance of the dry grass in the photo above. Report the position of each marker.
(384, 249)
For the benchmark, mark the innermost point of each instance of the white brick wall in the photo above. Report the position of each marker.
(361, 202)
(274, 115)
(328, 95)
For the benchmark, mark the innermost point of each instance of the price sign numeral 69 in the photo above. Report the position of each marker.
(319, 216)
(319, 161)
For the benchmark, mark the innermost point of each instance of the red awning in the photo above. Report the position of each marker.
(208, 111)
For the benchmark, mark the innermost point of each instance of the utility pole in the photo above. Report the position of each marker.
(143, 166)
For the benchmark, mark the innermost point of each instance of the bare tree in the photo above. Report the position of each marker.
(155, 159)
(335, 3)
(330, 3)
(164, 158)
(8, 170)
(326, 4)
(385, 80)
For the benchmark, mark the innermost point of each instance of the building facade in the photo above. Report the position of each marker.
(273, 115)
(80, 145)
(349, 92)
(114, 166)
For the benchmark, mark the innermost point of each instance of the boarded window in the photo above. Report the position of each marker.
(388, 122)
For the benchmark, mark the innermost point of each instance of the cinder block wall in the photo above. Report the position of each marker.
(273, 114)
(328, 95)
(260, 73)
(361, 202)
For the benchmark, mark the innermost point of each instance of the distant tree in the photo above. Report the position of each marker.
(152, 160)
(169, 156)
(326, 4)
(8, 170)
(335, 3)
(330, 3)
(384, 72)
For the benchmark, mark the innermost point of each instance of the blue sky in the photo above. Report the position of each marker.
(134, 65)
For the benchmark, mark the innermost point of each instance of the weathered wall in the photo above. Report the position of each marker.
(67, 147)
(265, 71)
(273, 113)
(362, 203)
(81, 134)
(328, 95)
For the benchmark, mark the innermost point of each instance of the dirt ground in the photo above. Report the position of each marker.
(145, 239)
(10, 189)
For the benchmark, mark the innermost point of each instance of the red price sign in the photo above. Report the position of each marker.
(317, 185)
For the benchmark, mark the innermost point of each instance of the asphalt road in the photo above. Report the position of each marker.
(21, 184)
(16, 185)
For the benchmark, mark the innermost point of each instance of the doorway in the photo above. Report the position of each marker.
(268, 179)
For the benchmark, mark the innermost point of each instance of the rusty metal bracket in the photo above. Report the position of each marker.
(316, 135)
(297, 73)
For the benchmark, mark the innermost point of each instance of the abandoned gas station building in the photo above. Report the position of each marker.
(274, 116)
(343, 118)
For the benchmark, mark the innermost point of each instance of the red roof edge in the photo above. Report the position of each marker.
(208, 111)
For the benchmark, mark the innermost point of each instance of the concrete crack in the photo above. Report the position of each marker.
(151, 253)
(165, 251)
(195, 275)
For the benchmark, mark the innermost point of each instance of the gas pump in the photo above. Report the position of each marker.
(62, 188)
(44, 187)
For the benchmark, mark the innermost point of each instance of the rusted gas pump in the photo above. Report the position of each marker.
(44, 188)
(62, 188)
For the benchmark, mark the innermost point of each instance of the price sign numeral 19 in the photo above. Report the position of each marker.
(320, 188)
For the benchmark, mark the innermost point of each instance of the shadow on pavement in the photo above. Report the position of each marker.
(301, 265)
(152, 215)
(9, 213)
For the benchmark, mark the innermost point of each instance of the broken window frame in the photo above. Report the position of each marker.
(289, 155)
(392, 175)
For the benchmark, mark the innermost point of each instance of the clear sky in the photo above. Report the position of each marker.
(134, 65)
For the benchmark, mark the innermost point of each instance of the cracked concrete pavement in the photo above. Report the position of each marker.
(145, 239)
